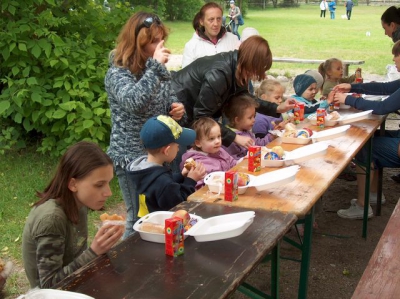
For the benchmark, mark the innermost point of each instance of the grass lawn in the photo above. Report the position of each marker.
(297, 32)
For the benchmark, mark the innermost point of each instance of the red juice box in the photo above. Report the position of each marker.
(321, 117)
(174, 236)
(254, 158)
(231, 186)
(301, 111)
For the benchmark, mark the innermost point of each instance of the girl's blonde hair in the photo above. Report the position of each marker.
(203, 127)
(326, 66)
(268, 86)
(237, 106)
(133, 38)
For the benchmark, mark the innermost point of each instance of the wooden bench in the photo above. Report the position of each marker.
(381, 278)
(346, 63)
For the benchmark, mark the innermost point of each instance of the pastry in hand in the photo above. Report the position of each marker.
(189, 164)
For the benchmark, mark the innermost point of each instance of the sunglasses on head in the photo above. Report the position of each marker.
(147, 23)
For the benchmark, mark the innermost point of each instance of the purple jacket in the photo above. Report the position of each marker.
(220, 161)
(237, 151)
(264, 123)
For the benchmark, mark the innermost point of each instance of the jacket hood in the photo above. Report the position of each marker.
(200, 32)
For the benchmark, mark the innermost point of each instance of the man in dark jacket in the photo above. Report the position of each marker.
(349, 6)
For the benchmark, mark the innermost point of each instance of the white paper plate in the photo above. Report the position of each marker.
(158, 218)
(219, 188)
(354, 117)
(373, 98)
(222, 227)
(51, 294)
(344, 106)
(306, 153)
(275, 178)
(330, 133)
(294, 140)
(271, 163)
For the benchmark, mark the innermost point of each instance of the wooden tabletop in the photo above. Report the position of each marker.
(313, 178)
(381, 278)
(140, 269)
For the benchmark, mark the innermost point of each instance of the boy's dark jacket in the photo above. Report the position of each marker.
(163, 190)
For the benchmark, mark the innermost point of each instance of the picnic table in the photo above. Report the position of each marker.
(312, 180)
(139, 269)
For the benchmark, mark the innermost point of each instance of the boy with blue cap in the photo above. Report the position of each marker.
(157, 188)
(305, 87)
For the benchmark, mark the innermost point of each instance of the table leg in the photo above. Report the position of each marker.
(379, 173)
(306, 255)
(367, 186)
(275, 266)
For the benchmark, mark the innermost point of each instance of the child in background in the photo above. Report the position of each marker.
(318, 77)
(272, 91)
(305, 88)
(240, 113)
(332, 71)
(207, 148)
(157, 188)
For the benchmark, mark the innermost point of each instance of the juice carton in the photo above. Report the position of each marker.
(301, 111)
(254, 158)
(321, 117)
(174, 236)
(231, 186)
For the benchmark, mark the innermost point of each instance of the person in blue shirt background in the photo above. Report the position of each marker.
(349, 6)
(332, 8)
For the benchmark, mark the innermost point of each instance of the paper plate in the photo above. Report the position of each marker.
(344, 106)
(222, 227)
(306, 153)
(158, 218)
(51, 294)
(271, 163)
(215, 187)
(373, 98)
(275, 178)
(330, 133)
(294, 140)
(354, 117)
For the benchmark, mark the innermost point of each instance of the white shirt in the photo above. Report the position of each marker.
(198, 47)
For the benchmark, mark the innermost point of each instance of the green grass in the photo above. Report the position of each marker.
(297, 32)
(301, 33)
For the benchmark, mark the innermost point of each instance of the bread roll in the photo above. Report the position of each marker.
(105, 216)
(152, 227)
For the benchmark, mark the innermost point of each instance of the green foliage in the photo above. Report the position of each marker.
(182, 9)
(54, 58)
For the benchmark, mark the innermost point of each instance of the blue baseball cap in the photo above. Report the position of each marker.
(159, 131)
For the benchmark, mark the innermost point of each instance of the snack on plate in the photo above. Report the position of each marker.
(190, 163)
(271, 156)
(191, 222)
(243, 179)
(334, 115)
(184, 215)
(151, 227)
(310, 132)
(115, 217)
(278, 150)
(302, 134)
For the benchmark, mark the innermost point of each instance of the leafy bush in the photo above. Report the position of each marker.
(54, 58)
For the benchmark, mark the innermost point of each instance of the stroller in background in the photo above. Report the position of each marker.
(228, 26)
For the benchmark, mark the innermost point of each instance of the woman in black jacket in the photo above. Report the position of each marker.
(205, 85)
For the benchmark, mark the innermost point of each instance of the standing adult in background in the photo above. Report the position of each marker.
(332, 8)
(349, 6)
(210, 36)
(323, 5)
(206, 84)
(138, 86)
(234, 13)
(390, 21)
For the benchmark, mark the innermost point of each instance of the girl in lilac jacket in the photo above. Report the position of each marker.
(240, 113)
(207, 148)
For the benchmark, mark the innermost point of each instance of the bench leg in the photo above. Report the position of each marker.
(345, 70)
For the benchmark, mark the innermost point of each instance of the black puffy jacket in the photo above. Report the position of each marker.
(206, 84)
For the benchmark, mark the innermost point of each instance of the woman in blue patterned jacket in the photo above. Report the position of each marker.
(138, 87)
